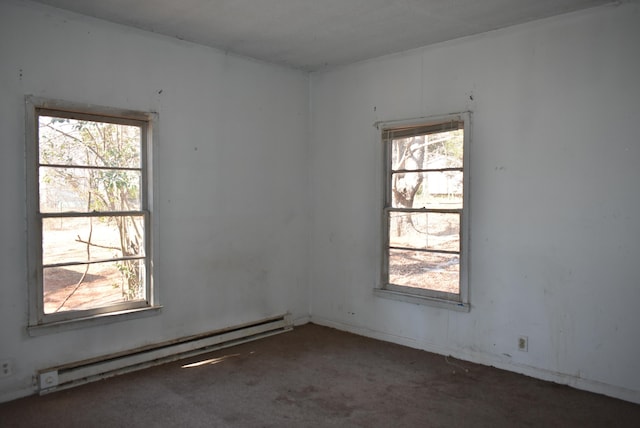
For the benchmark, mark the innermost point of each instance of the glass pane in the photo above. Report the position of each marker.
(92, 286)
(85, 190)
(93, 238)
(88, 143)
(430, 271)
(441, 150)
(427, 190)
(433, 231)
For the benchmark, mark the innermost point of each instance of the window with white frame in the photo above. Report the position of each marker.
(426, 209)
(89, 210)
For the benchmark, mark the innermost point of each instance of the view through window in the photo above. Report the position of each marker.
(424, 208)
(92, 214)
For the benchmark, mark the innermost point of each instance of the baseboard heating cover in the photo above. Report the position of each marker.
(73, 374)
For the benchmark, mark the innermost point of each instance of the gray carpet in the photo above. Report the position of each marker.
(320, 377)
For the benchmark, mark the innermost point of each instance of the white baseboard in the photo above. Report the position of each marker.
(490, 360)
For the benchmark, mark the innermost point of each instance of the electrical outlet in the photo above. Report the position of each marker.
(523, 343)
(5, 368)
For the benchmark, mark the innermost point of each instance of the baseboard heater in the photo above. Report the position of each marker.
(81, 372)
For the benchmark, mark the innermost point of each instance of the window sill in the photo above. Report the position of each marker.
(92, 321)
(421, 300)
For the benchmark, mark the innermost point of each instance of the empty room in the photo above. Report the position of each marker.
(319, 213)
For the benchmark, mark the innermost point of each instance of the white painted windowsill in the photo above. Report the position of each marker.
(421, 300)
(92, 321)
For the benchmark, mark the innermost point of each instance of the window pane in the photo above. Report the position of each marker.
(92, 286)
(90, 168)
(427, 190)
(431, 271)
(432, 151)
(88, 143)
(425, 231)
(85, 190)
(89, 239)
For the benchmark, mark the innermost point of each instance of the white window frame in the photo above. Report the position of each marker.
(39, 321)
(457, 301)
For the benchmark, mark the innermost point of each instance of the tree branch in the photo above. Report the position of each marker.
(48, 125)
(86, 269)
(78, 239)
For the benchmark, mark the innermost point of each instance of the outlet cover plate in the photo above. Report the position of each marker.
(5, 368)
(523, 343)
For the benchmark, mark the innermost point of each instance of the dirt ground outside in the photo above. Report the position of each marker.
(409, 268)
(425, 269)
(68, 287)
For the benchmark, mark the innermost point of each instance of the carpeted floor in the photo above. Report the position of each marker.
(320, 377)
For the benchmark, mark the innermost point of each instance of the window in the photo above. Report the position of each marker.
(89, 211)
(426, 210)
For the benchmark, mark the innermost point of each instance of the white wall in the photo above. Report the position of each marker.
(555, 155)
(232, 190)
(554, 179)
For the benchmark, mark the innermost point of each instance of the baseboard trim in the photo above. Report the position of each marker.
(490, 360)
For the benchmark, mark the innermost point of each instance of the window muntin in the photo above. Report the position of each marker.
(89, 214)
(425, 208)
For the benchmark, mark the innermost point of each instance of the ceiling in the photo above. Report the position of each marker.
(315, 34)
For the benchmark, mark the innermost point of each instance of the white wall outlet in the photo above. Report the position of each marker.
(6, 368)
(523, 343)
